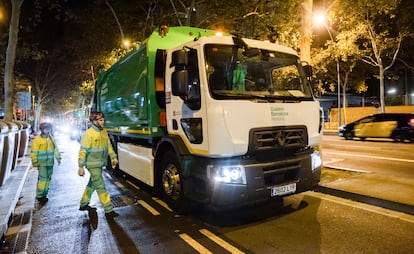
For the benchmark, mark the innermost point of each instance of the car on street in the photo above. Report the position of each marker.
(397, 126)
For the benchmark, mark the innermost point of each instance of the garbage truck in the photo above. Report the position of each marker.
(212, 119)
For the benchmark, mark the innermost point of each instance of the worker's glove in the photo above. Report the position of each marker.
(81, 171)
(58, 161)
(35, 165)
(114, 162)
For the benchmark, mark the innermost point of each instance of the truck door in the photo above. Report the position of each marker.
(186, 116)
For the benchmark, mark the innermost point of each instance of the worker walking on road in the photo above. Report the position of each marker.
(93, 153)
(43, 154)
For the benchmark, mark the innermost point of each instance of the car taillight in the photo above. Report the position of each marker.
(411, 122)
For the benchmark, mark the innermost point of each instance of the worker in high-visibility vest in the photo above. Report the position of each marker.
(93, 153)
(43, 154)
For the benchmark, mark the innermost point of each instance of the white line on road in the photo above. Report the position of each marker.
(193, 243)
(372, 157)
(348, 169)
(333, 160)
(365, 207)
(220, 242)
(148, 207)
(162, 203)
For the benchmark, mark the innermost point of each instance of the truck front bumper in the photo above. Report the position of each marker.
(261, 182)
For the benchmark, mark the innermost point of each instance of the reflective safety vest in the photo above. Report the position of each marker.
(44, 151)
(95, 148)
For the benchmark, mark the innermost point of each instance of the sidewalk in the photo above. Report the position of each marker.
(16, 196)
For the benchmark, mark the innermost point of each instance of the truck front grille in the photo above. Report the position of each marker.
(281, 137)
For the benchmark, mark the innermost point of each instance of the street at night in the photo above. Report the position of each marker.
(311, 222)
(189, 126)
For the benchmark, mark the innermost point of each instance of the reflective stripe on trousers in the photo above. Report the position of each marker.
(96, 183)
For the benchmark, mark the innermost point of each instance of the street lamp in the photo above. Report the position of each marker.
(320, 20)
(126, 43)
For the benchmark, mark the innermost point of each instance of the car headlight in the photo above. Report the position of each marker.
(234, 174)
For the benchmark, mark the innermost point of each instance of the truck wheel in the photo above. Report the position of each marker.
(171, 183)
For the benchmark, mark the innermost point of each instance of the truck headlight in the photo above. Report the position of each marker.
(316, 160)
(234, 174)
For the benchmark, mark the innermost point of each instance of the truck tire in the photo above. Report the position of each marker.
(172, 187)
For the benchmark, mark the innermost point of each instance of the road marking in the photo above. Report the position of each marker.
(220, 241)
(119, 185)
(349, 169)
(162, 203)
(372, 157)
(193, 243)
(362, 206)
(132, 184)
(148, 207)
(333, 160)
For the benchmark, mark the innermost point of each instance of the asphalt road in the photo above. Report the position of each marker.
(382, 156)
(306, 223)
(378, 168)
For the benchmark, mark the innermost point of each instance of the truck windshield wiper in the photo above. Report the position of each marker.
(242, 95)
(287, 98)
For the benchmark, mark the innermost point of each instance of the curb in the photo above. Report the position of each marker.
(16, 205)
(10, 192)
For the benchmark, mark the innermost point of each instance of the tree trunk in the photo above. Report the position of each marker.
(382, 94)
(306, 31)
(10, 60)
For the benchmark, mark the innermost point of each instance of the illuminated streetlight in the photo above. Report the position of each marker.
(320, 19)
(126, 43)
(1, 15)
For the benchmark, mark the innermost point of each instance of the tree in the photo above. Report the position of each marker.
(10, 59)
(343, 51)
(306, 31)
(87, 34)
(379, 39)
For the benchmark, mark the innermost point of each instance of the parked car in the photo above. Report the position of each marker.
(398, 126)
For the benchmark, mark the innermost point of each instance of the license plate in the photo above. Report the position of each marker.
(283, 190)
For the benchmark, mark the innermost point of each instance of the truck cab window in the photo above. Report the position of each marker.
(186, 78)
(266, 75)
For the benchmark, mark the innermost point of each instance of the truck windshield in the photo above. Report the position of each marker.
(266, 75)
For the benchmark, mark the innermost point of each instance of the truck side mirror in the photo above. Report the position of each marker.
(308, 70)
(179, 58)
(251, 52)
(180, 83)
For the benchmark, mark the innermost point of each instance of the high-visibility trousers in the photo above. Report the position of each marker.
(43, 181)
(96, 183)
